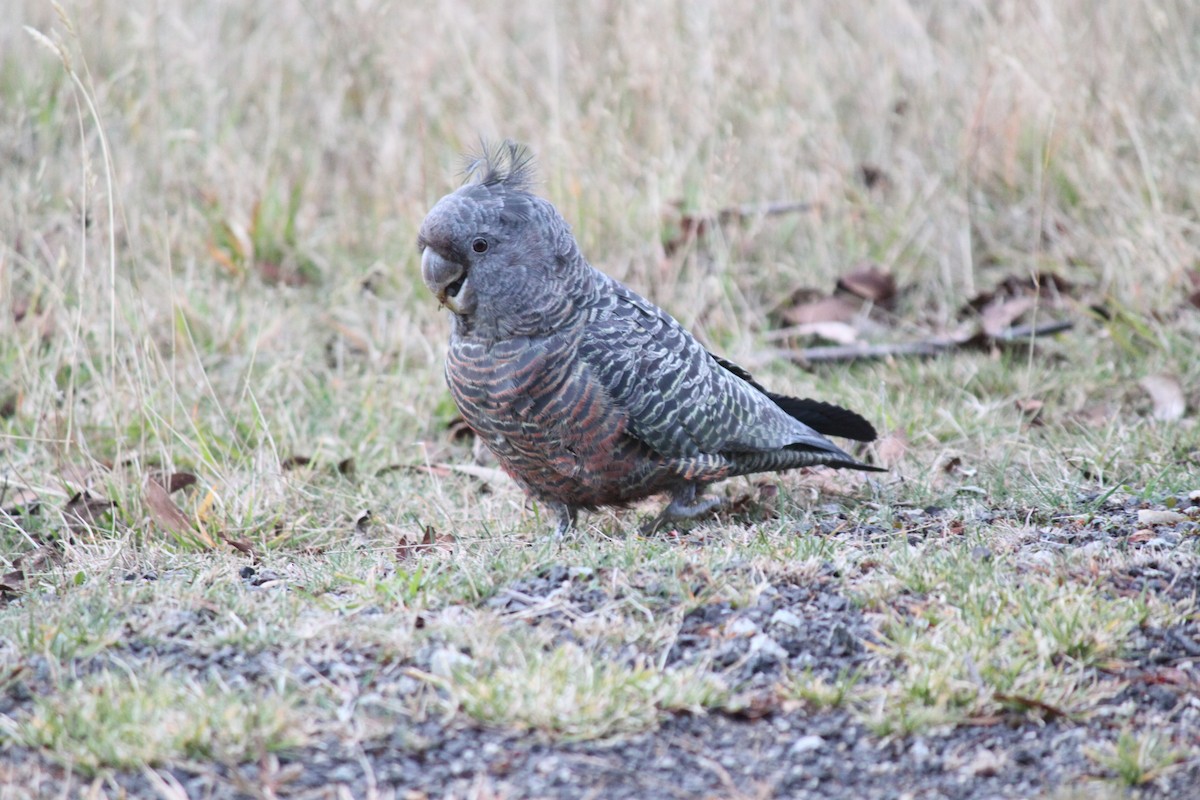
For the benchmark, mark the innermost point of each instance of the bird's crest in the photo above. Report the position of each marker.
(507, 164)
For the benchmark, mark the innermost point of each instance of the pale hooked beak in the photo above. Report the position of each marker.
(445, 279)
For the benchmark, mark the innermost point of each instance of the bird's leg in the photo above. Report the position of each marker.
(566, 520)
(684, 505)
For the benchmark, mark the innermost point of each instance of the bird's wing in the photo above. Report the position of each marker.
(824, 418)
(675, 396)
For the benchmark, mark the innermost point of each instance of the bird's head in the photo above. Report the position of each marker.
(499, 257)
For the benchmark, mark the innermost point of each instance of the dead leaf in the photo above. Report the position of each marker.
(180, 480)
(1151, 517)
(838, 308)
(836, 483)
(13, 583)
(1046, 285)
(8, 405)
(1031, 703)
(457, 429)
(890, 449)
(164, 512)
(425, 540)
(870, 282)
(84, 510)
(488, 475)
(274, 273)
(291, 462)
(1094, 416)
(874, 176)
(1031, 409)
(1167, 394)
(241, 545)
(174, 481)
(838, 332)
(997, 317)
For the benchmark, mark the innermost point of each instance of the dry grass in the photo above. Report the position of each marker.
(207, 265)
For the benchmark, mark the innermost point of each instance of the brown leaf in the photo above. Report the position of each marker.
(179, 480)
(457, 429)
(8, 404)
(870, 282)
(874, 176)
(1032, 409)
(293, 461)
(998, 316)
(838, 308)
(12, 583)
(164, 512)
(1030, 704)
(273, 274)
(241, 545)
(408, 546)
(84, 510)
(1167, 394)
(173, 481)
(1047, 285)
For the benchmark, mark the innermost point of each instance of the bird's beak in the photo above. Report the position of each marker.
(445, 279)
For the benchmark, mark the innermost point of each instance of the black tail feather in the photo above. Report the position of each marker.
(826, 418)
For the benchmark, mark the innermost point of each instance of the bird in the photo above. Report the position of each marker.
(588, 394)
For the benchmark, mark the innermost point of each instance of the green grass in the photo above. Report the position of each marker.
(119, 720)
(207, 265)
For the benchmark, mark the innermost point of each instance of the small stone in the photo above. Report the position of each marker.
(919, 751)
(1162, 542)
(764, 645)
(444, 661)
(985, 764)
(740, 626)
(807, 744)
(785, 618)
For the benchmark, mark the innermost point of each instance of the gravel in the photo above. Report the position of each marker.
(781, 750)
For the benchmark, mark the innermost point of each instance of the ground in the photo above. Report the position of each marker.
(248, 548)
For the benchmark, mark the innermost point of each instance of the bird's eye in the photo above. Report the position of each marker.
(480, 245)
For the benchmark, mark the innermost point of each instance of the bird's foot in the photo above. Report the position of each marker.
(683, 506)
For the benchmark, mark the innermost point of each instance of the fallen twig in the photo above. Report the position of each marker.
(932, 346)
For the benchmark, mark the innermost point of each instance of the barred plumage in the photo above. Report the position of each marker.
(589, 394)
